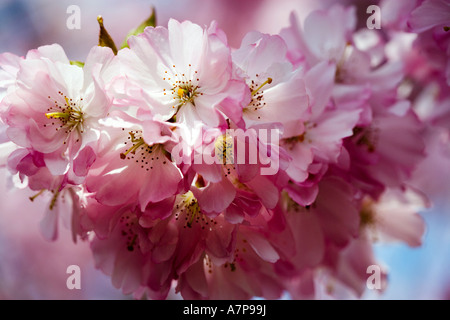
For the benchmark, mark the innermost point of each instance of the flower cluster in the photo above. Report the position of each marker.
(230, 173)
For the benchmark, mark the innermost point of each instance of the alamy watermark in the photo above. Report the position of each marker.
(374, 21)
(374, 280)
(73, 21)
(236, 146)
(74, 280)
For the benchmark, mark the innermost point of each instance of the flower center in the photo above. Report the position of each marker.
(367, 137)
(143, 154)
(69, 115)
(257, 101)
(189, 207)
(367, 214)
(292, 141)
(128, 224)
(186, 93)
(224, 149)
(184, 86)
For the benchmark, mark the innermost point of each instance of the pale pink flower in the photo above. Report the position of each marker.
(319, 139)
(119, 255)
(133, 165)
(385, 153)
(430, 21)
(360, 70)
(232, 170)
(298, 236)
(183, 70)
(251, 254)
(278, 91)
(56, 106)
(303, 235)
(246, 277)
(345, 275)
(329, 123)
(395, 217)
(63, 198)
(323, 37)
(145, 252)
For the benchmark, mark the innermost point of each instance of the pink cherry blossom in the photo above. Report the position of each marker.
(56, 105)
(184, 70)
(383, 158)
(133, 165)
(323, 37)
(278, 92)
(195, 168)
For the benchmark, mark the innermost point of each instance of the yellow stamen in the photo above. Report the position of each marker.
(36, 195)
(138, 142)
(193, 207)
(53, 202)
(191, 204)
(188, 197)
(57, 115)
(181, 92)
(268, 81)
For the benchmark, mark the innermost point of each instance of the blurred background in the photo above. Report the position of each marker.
(32, 268)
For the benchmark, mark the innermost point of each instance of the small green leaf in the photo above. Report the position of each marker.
(150, 22)
(77, 63)
(104, 39)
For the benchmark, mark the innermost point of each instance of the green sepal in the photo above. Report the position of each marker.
(104, 39)
(150, 22)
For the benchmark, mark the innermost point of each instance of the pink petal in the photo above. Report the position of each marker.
(56, 164)
(338, 214)
(265, 190)
(234, 214)
(54, 52)
(320, 81)
(429, 14)
(262, 247)
(158, 210)
(161, 182)
(216, 197)
(83, 161)
(326, 32)
(304, 196)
